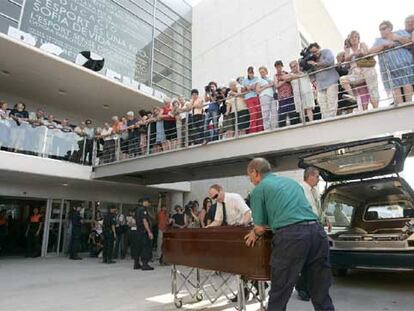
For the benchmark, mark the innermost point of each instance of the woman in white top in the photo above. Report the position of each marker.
(237, 104)
(357, 76)
(184, 108)
(302, 90)
(4, 125)
(109, 144)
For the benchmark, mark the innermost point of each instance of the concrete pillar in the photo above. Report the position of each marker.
(174, 198)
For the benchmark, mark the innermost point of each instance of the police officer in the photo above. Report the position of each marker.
(75, 238)
(144, 237)
(33, 234)
(300, 243)
(109, 234)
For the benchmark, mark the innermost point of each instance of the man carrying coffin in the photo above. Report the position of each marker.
(299, 244)
(231, 208)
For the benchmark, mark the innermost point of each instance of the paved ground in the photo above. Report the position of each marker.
(60, 285)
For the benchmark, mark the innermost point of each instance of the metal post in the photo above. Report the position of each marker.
(387, 69)
(262, 295)
(117, 148)
(186, 129)
(43, 153)
(154, 10)
(19, 25)
(94, 152)
(148, 138)
(236, 118)
(60, 227)
(301, 112)
(83, 151)
(46, 228)
(241, 299)
(198, 288)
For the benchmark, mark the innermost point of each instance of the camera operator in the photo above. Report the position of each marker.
(327, 80)
(215, 98)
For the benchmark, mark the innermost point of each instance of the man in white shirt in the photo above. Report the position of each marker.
(309, 185)
(231, 208)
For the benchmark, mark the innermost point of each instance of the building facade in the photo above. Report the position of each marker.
(229, 36)
(147, 41)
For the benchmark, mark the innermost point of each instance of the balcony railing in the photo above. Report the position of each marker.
(60, 143)
(359, 86)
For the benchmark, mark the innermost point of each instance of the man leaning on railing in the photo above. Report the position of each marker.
(327, 80)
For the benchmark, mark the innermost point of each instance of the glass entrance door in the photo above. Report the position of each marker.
(54, 223)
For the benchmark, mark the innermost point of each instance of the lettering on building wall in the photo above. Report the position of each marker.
(99, 26)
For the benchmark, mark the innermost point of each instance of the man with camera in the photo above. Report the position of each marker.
(327, 79)
(214, 97)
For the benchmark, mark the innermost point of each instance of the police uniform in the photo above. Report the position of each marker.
(33, 240)
(109, 238)
(75, 237)
(144, 244)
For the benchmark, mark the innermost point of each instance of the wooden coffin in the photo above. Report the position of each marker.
(219, 249)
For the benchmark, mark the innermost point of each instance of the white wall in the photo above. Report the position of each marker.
(316, 24)
(243, 33)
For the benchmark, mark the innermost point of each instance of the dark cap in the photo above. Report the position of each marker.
(278, 63)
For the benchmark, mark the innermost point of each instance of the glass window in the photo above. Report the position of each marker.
(392, 210)
(10, 9)
(5, 23)
(338, 213)
(118, 31)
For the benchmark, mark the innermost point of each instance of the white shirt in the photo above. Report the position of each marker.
(314, 198)
(107, 131)
(235, 209)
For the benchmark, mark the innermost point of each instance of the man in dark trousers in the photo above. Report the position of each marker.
(145, 237)
(75, 238)
(300, 243)
(109, 234)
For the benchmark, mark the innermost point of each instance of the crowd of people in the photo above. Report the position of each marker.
(315, 87)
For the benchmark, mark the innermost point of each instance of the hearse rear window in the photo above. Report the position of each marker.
(388, 211)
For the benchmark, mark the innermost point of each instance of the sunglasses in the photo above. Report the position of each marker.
(214, 197)
(383, 28)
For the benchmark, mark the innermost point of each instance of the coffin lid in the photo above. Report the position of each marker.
(358, 160)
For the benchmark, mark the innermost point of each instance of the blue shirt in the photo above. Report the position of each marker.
(279, 201)
(213, 106)
(327, 77)
(247, 82)
(267, 91)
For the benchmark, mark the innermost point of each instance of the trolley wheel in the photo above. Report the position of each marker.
(178, 303)
(199, 297)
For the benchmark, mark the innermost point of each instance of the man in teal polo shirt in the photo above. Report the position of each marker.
(300, 243)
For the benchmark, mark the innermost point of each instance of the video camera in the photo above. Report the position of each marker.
(307, 56)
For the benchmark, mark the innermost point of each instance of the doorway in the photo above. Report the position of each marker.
(17, 212)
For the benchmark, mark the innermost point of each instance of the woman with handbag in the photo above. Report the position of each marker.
(362, 71)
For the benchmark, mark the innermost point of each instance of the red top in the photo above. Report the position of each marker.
(285, 90)
(166, 113)
(36, 218)
(163, 220)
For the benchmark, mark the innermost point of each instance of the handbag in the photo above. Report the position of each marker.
(366, 62)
